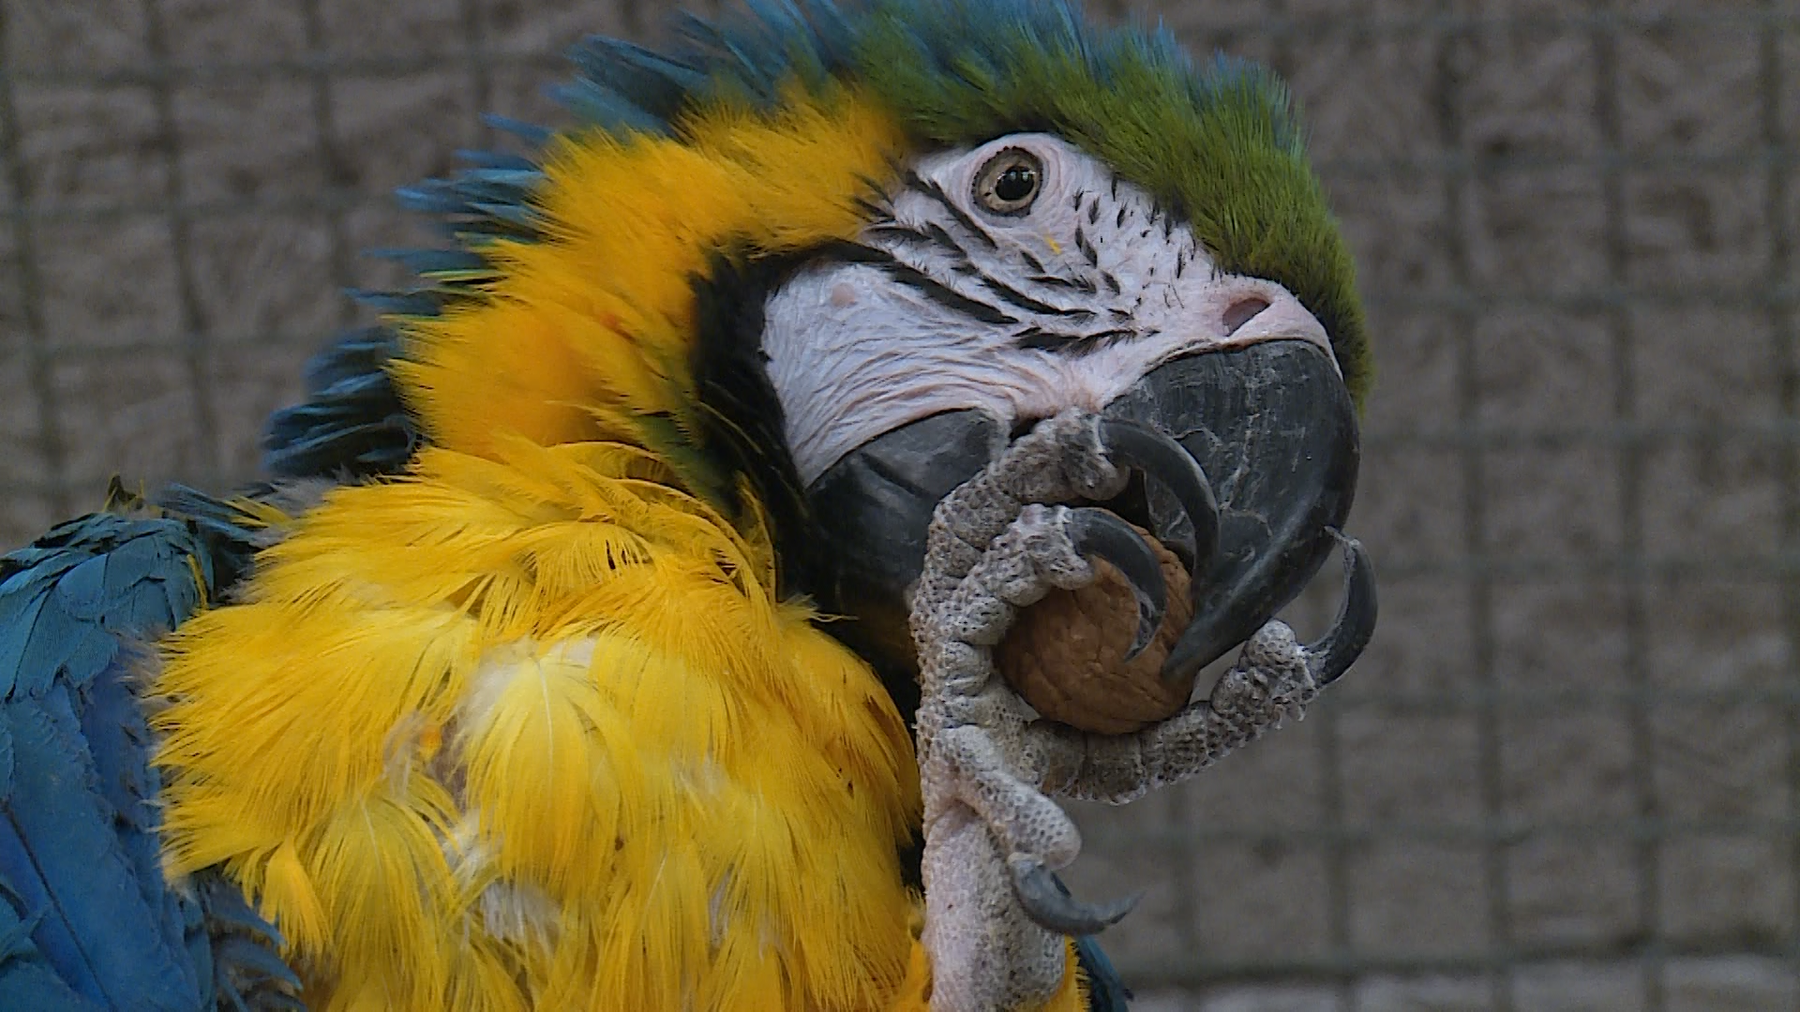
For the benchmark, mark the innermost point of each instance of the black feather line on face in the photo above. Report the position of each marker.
(931, 189)
(1073, 345)
(1058, 281)
(912, 277)
(743, 426)
(1086, 248)
(945, 239)
(931, 236)
(1012, 295)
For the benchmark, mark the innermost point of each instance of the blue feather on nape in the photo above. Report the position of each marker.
(352, 423)
(531, 133)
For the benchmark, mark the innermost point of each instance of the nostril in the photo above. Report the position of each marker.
(1243, 311)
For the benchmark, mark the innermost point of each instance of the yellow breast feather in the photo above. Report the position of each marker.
(473, 742)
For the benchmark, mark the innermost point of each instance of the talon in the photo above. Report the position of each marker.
(1048, 903)
(1100, 533)
(1335, 651)
(1160, 457)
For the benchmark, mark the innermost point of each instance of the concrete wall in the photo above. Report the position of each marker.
(1565, 775)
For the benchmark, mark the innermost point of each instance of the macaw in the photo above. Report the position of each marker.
(614, 627)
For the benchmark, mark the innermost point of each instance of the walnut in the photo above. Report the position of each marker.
(1066, 654)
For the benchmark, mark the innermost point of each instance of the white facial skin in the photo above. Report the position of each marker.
(955, 303)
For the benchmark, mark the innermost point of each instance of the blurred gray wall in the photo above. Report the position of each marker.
(1567, 773)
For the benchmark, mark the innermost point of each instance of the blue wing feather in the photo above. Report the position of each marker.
(118, 739)
(27, 981)
(86, 920)
(94, 924)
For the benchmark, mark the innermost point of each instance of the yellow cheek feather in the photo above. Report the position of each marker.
(588, 335)
(526, 727)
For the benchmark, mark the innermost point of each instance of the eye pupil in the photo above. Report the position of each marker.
(1016, 183)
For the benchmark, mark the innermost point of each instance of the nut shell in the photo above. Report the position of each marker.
(1066, 654)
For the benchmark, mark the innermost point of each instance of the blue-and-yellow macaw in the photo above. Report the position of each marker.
(614, 630)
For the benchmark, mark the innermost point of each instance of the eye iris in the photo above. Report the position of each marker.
(1008, 182)
(1016, 183)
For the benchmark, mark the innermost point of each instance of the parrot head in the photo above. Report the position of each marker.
(824, 264)
(1020, 277)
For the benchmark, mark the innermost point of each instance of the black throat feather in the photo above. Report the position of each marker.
(745, 436)
(743, 432)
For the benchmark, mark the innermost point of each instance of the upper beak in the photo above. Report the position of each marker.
(1273, 428)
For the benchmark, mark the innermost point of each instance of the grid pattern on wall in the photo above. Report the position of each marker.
(1568, 769)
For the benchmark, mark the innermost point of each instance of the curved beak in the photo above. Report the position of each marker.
(1273, 428)
(1270, 425)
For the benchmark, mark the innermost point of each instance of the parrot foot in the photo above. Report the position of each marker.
(996, 916)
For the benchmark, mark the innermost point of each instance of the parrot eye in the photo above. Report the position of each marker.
(1009, 182)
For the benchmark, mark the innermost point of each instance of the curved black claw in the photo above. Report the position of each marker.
(1335, 651)
(1161, 458)
(1050, 906)
(1099, 533)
